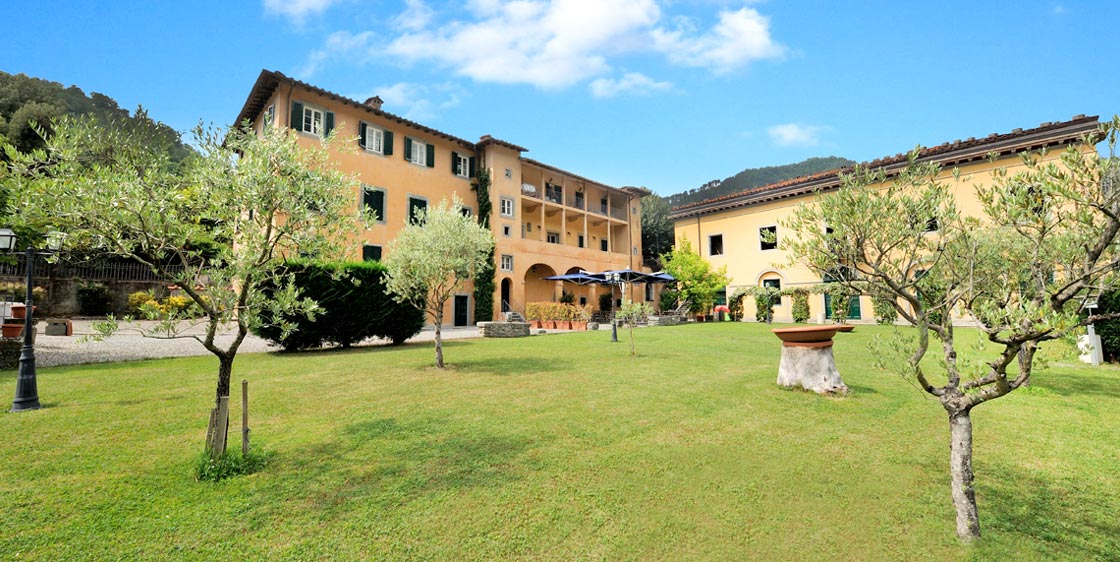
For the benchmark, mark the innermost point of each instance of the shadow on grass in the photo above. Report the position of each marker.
(507, 366)
(387, 463)
(1079, 384)
(1061, 516)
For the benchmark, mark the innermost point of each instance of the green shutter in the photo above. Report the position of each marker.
(408, 149)
(328, 123)
(431, 156)
(297, 116)
(387, 143)
(362, 135)
(454, 162)
(473, 172)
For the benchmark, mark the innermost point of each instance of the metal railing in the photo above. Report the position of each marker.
(93, 271)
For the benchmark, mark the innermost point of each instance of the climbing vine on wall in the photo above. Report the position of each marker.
(484, 281)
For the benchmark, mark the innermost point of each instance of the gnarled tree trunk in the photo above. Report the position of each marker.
(960, 469)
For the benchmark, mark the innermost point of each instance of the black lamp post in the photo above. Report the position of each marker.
(614, 279)
(27, 392)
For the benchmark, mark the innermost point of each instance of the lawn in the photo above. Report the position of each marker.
(555, 448)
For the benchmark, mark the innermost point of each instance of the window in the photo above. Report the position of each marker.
(374, 200)
(313, 120)
(507, 231)
(715, 245)
(603, 245)
(553, 193)
(649, 291)
(603, 205)
(580, 240)
(773, 283)
(414, 204)
(553, 237)
(269, 117)
(528, 227)
(462, 165)
(768, 237)
(371, 138)
(509, 173)
(507, 207)
(371, 252)
(634, 250)
(932, 225)
(507, 262)
(465, 211)
(419, 153)
(579, 199)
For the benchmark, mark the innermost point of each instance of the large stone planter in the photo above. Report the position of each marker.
(807, 359)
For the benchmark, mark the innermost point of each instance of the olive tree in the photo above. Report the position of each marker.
(433, 256)
(1045, 241)
(218, 228)
(697, 282)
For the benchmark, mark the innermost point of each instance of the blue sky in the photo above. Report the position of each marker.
(668, 94)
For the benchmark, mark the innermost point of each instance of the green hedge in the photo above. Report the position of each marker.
(354, 307)
(1109, 330)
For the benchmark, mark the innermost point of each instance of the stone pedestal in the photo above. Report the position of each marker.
(810, 367)
(503, 329)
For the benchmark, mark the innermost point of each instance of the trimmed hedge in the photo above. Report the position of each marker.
(354, 304)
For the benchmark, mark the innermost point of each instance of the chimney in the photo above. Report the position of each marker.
(375, 102)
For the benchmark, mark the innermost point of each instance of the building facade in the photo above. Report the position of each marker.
(743, 231)
(546, 221)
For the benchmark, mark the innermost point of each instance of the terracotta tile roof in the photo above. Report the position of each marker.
(268, 81)
(1046, 135)
(487, 140)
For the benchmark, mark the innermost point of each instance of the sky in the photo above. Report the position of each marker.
(667, 94)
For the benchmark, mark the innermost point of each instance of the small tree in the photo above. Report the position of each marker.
(799, 304)
(1045, 241)
(218, 228)
(433, 256)
(631, 313)
(697, 282)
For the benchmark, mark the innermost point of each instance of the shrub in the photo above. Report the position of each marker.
(667, 301)
(353, 306)
(567, 298)
(735, 304)
(231, 463)
(839, 299)
(1109, 330)
(137, 300)
(94, 299)
(764, 300)
(534, 311)
(176, 304)
(885, 313)
(800, 308)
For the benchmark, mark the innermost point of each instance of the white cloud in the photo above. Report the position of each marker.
(419, 102)
(739, 38)
(796, 134)
(546, 44)
(554, 44)
(338, 44)
(297, 9)
(415, 16)
(630, 83)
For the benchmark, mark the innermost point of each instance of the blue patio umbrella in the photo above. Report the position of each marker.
(581, 278)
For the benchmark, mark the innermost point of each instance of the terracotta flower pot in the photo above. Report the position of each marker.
(19, 311)
(11, 330)
(579, 325)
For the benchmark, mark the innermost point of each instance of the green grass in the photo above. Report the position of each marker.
(555, 448)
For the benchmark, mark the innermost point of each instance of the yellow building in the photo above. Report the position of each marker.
(728, 230)
(546, 221)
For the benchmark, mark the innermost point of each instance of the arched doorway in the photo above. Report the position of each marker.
(537, 289)
(507, 287)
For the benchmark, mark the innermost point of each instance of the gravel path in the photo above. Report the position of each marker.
(128, 346)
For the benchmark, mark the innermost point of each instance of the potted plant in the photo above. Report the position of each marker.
(11, 330)
(550, 315)
(580, 317)
(534, 314)
(19, 311)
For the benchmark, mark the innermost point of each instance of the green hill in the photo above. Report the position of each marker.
(25, 100)
(755, 177)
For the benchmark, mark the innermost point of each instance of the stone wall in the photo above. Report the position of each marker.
(62, 299)
(503, 329)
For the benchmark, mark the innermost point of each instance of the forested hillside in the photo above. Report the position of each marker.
(25, 100)
(755, 177)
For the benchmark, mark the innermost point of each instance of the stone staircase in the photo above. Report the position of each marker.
(513, 316)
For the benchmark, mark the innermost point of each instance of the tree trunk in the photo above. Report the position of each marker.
(218, 430)
(439, 340)
(960, 469)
